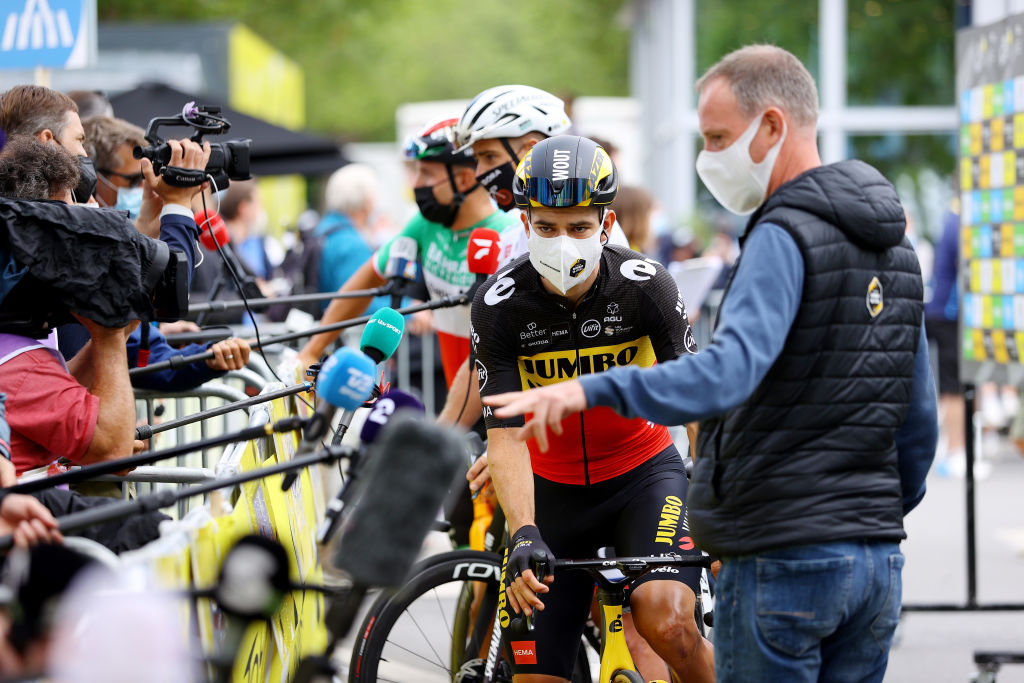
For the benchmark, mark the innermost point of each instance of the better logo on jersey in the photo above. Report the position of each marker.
(874, 298)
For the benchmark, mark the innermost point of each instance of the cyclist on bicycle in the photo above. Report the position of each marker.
(606, 480)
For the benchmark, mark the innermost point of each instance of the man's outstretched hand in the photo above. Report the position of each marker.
(548, 406)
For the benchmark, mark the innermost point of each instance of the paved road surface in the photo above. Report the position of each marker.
(939, 647)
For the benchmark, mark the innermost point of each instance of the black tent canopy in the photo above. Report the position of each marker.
(275, 150)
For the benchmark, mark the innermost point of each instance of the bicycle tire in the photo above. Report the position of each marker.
(377, 653)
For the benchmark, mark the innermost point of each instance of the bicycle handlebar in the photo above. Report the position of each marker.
(630, 565)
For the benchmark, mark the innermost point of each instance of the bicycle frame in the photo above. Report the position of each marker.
(614, 652)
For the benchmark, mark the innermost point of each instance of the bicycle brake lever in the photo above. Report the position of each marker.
(540, 563)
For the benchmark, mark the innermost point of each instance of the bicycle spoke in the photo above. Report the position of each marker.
(440, 608)
(416, 654)
(423, 634)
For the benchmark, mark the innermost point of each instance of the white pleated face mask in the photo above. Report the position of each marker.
(739, 184)
(564, 261)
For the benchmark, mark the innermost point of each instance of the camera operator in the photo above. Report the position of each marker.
(52, 117)
(83, 409)
(109, 142)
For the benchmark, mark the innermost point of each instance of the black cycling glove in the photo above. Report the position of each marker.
(525, 543)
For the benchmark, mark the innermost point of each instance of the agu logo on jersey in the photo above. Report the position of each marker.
(874, 298)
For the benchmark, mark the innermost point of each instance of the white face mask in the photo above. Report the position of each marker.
(564, 261)
(739, 184)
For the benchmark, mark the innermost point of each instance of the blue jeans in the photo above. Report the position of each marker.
(808, 613)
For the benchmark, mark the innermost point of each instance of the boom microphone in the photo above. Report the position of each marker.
(410, 470)
(382, 334)
(394, 402)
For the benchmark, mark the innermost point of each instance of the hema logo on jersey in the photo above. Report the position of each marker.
(524, 651)
(552, 367)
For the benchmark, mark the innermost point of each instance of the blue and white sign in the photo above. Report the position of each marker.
(49, 33)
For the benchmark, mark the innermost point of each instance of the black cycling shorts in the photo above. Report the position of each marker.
(638, 513)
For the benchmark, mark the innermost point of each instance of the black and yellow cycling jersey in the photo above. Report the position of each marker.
(525, 336)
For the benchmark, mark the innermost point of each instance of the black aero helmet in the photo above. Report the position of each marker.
(436, 143)
(564, 171)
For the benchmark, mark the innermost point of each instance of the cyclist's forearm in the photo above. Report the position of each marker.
(463, 404)
(512, 476)
(343, 309)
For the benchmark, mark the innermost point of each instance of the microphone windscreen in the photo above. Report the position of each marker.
(483, 251)
(384, 409)
(382, 334)
(213, 230)
(409, 471)
(346, 379)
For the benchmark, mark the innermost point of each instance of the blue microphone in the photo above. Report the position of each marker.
(381, 337)
(345, 381)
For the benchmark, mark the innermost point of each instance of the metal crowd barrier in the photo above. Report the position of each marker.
(155, 406)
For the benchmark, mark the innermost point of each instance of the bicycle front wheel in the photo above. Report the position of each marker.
(410, 634)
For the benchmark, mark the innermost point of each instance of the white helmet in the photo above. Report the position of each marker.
(509, 111)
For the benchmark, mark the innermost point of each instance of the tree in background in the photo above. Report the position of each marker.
(899, 52)
(362, 59)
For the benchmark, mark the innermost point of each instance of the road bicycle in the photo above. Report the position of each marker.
(612, 575)
(440, 626)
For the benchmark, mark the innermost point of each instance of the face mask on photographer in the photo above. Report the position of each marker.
(128, 198)
(731, 175)
(86, 187)
(564, 261)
